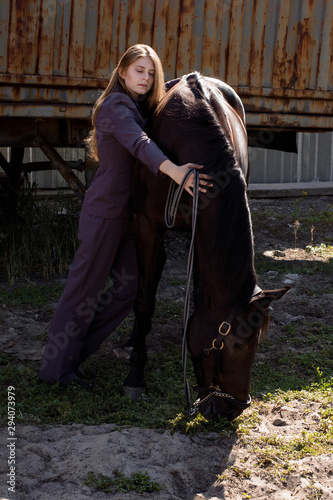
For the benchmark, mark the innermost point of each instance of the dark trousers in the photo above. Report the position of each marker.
(87, 313)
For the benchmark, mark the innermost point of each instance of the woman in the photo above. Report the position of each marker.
(86, 313)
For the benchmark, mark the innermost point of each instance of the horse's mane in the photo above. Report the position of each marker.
(201, 138)
(187, 104)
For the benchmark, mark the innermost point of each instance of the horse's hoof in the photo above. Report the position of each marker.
(135, 393)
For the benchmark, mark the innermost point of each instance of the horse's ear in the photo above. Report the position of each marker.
(264, 299)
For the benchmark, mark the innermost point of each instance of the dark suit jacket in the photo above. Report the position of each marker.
(120, 141)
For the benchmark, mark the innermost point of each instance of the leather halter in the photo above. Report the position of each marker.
(214, 389)
(217, 346)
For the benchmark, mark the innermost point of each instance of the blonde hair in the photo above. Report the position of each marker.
(154, 95)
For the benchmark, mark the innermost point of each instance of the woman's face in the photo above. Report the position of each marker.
(139, 76)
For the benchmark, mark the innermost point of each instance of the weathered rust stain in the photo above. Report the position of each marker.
(253, 54)
(70, 36)
(228, 48)
(39, 36)
(303, 41)
(60, 28)
(15, 36)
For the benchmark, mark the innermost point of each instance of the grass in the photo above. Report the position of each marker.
(313, 216)
(32, 294)
(294, 376)
(264, 264)
(295, 358)
(40, 237)
(322, 249)
(138, 482)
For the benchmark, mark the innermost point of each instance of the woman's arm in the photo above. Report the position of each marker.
(117, 119)
(177, 173)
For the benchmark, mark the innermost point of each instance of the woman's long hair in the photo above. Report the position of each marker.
(154, 95)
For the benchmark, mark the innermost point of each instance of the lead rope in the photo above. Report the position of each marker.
(170, 213)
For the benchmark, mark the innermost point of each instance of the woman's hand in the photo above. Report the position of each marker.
(177, 173)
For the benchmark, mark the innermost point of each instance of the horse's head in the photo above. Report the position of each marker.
(223, 354)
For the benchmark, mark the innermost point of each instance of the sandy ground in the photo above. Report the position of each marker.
(53, 462)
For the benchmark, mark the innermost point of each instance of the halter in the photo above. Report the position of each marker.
(224, 328)
(214, 389)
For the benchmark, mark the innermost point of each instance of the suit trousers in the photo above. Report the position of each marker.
(87, 311)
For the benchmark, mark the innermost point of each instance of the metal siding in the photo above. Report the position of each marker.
(147, 21)
(270, 42)
(313, 163)
(185, 14)
(325, 61)
(76, 38)
(169, 55)
(61, 38)
(15, 48)
(31, 35)
(133, 25)
(224, 33)
(235, 45)
(209, 38)
(159, 26)
(4, 32)
(257, 45)
(277, 54)
(102, 65)
(244, 38)
(91, 38)
(47, 31)
(122, 22)
(196, 41)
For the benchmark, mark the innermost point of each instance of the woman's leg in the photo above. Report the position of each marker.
(117, 301)
(99, 241)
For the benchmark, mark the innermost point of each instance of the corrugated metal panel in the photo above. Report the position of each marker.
(313, 163)
(277, 54)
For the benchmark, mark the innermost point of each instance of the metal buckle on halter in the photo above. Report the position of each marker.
(222, 325)
(207, 351)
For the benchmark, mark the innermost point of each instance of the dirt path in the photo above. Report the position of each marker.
(53, 462)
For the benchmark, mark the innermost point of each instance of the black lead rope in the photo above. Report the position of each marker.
(170, 214)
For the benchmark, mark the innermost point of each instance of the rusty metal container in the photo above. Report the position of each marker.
(277, 54)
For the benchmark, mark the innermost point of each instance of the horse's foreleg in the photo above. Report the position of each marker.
(151, 259)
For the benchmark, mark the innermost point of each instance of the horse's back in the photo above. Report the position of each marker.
(230, 111)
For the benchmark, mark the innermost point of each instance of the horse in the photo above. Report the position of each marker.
(202, 120)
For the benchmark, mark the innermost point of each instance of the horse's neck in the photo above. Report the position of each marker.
(221, 288)
(224, 251)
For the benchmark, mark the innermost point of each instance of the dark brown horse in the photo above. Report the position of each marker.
(202, 120)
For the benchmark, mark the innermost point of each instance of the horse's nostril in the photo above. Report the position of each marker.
(208, 410)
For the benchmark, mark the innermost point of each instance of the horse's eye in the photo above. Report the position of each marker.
(238, 346)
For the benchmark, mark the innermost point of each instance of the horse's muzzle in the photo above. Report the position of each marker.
(217, 409)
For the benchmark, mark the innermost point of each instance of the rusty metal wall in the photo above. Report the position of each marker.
(55, 54)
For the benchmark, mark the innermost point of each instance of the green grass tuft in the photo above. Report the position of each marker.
(139, 482)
